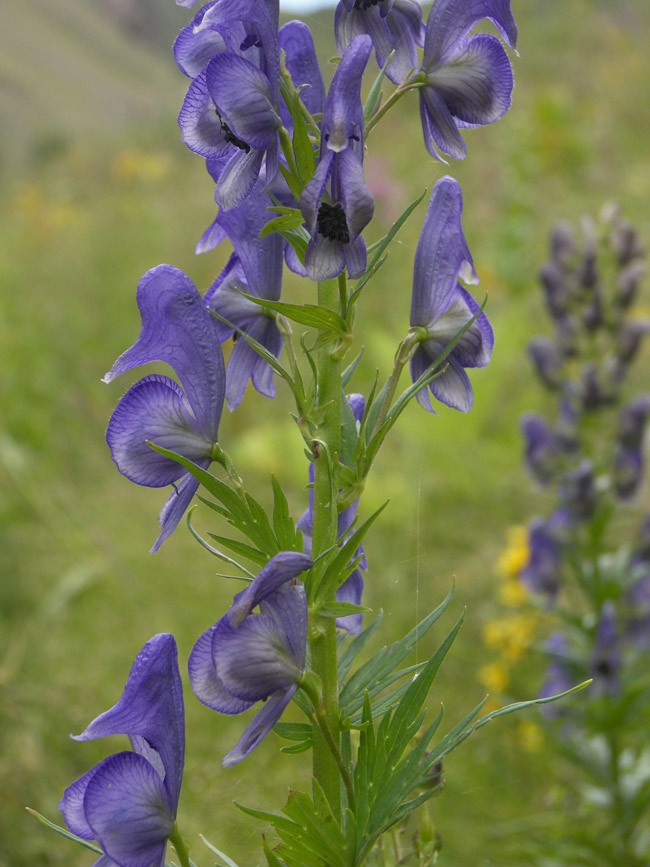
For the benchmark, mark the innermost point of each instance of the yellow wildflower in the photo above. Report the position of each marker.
(494, 676)
(512, 635)
(516, 553)
(530, 736)
(132, 164)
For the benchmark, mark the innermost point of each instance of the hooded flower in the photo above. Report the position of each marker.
(352, 588)
(246, 657)
(256, 269)
(128, 802)
(542, 572)
(393, 25)
(231, 114)
(442, 307)
(542, 446)
(336, 203)
(178, 329)
(468, 78)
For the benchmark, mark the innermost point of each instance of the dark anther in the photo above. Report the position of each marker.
(250, 41)
(365, 4)
(332, 223)
(230, 137)
(235, 337)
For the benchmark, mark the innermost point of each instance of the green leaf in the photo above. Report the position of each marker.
(377, 669)
(65, 833)
(283, 525)
(381, 245)
(520, 705)
(299, 239)
(292, 182)
(227, 862)
(372, 102)
(271, 858)
(293, 731)
(354, 648)
(303, 147)
(283, 223)
(311, 315)
(349, 435)
(241, 548)
(347, 374)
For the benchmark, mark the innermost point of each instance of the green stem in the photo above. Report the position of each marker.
(404, 352)
(327, 447)
(179, 845)
(397, 94)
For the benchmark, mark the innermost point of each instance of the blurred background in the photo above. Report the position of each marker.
(96, 188)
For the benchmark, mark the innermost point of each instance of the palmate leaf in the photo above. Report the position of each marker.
(374, 674)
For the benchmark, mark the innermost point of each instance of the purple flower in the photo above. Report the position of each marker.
(246, 657)
(442, 307)
(606, 660)
(231, 114)
(178, 329)
(352, 588)
(542, 572)
(468, 79)
(548, 361)
(578, 491)
(393, 25)
(542, 446)
(254, 268)
(558, 677)
(128, 802)
(336, 203)
(296, 41)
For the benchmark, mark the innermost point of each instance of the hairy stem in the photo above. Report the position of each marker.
(327, 446)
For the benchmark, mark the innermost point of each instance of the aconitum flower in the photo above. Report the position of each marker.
(542, 446)
(178, 329)
(606, 659)
(542, 572)
(128, 802)
(351, 589)
(468, 78)
(441, 307)
(336, 203)
(393, 25)
(256, 269)
(246, 657)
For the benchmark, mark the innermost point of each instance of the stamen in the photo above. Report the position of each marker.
(365, 4)
(230, 137)
(332, 224)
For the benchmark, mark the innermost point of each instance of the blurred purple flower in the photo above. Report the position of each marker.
(542, 444)
(542, 572)
(336, 203)
(441, 305)
(128, 802)
(393, 25)
(468, 78)
(558, 677)
(245, 658)
(547, 359)
(606, 659)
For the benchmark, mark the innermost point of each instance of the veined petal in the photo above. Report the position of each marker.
(129, 810)
(474, 349)
(177, 329)
(151, 706)
(351, 591)
(201, 130)
(204, 681)
(211, 238)
(450, 20)
(440, 128)
(442, 255)
(245, 363)
(238, 177)
(476, 84)
(343, 114)
(287, 605)
(266, 332)
(243, 98)
(357, 22)
(72, 805)
(194, 50)
(225, 297)
(420, 362)
(313, 193)
(358, 203)
(296, 41)
(356, 257)
(280, 569)
(260, 726)
(254, 660)
(324, 259)
(154, 410)
(407, 32)
(176, 505)
(453, 387)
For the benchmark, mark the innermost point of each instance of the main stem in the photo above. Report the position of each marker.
(323, 648)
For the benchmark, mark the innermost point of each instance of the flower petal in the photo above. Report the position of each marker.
(324, 259)
(260, 726)
(72, 805)
(238, 177)
(288, 607)
(420, 363)
(351, 591)
(280, 569)
(440, 128)
(450, 20)
(243, 98)
(442, 255)
(177, 329)
(476, 84)
(253, 661)
(358, 203)
(313, 193)
(205, 684)
(356, 257)
(176, 505)
(194, 49)
(151, 706)
(343, 114)
(154, 410)
(357, 22)
(474, 349)
(296, 41)
(201, 129)
(453, 387)
(129, 810)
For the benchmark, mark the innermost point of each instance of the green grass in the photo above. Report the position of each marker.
(80, 594)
